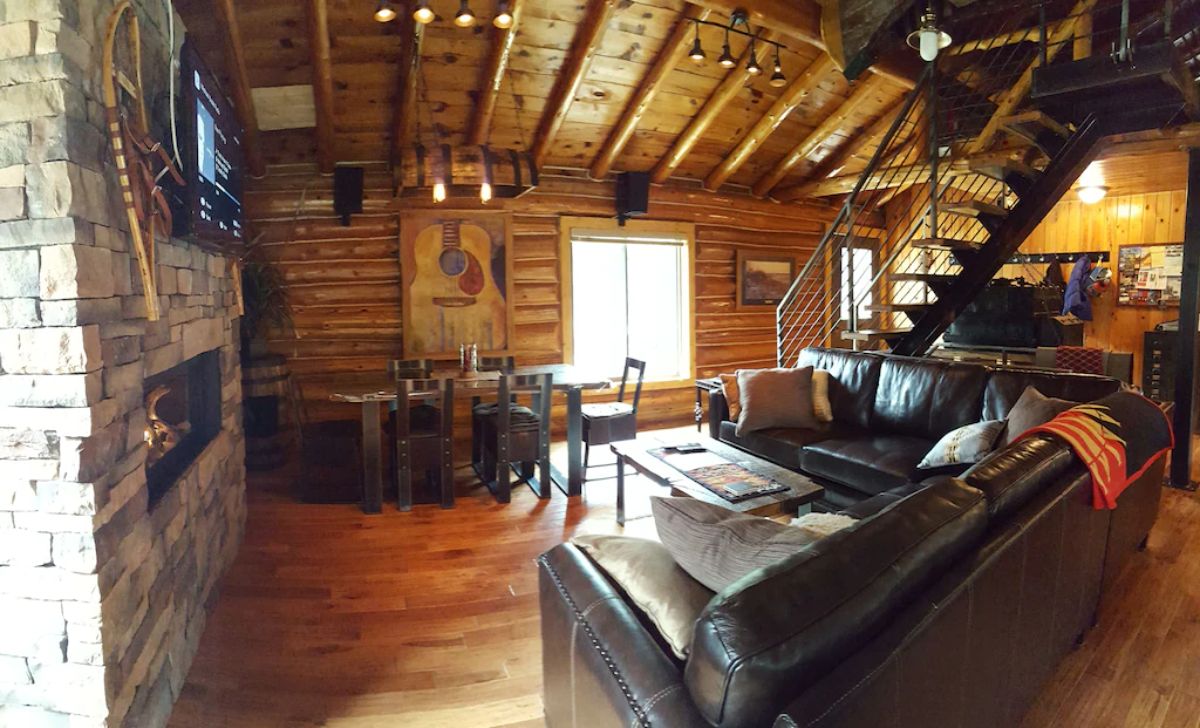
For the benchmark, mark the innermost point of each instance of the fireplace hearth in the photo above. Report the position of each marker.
(183, 414)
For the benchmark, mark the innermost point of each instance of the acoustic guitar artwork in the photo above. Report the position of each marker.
(454, 293)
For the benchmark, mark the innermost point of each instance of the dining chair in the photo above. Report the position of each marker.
(516, 436)
(330, 456)
(504, 365)
(606, 422)
(424, 443)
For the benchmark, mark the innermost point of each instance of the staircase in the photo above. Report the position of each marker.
(982, 149)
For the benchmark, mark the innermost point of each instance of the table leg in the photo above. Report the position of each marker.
(372, 460)
(621, 490)
(572, 484)
(699, 411)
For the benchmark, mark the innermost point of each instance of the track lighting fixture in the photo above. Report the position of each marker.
(423, 14)
(504, 18)
(697, 53)
(752, 66)
(726, 60)
(385, 13)
(464, 18)
(778, 80)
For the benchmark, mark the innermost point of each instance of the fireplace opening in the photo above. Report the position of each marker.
(183, 414)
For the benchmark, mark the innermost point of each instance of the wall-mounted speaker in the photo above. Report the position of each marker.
(347, 192)
(633, 195)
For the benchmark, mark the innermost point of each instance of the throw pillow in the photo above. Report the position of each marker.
(820, 396)
(820, 525)
(966, 445)
(1032, 409)
(729, 388)
(646, 572)
(775, 398)
(718, 546)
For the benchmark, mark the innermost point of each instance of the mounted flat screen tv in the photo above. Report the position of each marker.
(208, 209)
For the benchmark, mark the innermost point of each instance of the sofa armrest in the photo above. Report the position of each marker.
(718, 412)
(600, 666)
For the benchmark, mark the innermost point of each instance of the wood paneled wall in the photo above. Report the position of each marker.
(1072, 226)
(344, 282)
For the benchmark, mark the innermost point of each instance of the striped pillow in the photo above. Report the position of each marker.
(963, 446)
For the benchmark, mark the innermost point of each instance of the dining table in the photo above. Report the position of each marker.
(374, 391)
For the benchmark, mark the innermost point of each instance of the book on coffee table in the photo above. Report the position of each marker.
(732, 481)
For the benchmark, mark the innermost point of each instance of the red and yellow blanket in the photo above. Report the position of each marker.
(1118, 438)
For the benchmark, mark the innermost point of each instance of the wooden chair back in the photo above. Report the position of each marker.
(632, 364)
(410, 368)
(504, 364)
(443, 391)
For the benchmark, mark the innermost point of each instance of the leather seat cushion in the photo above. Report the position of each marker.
(520, 418)
(1005, 387)
(871, 463)
(423, 419)
(598, 410)
(927, 397)
(783, 445)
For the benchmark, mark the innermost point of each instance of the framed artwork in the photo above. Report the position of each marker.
(763, 280)
(1149, 275)
(456, 276)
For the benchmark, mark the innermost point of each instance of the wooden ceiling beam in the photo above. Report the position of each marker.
(735, 80)
(413, 35)
(787, 102)
(672, 51)
(864, 141)
(587, 39)
(243, 101)
(321, 57)
(889, 177)
(866, 89)
(493, 77)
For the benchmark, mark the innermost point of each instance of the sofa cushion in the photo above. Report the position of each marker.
(782, 445)
(870, 463)
(853, 376)
(927, 397)
(775, 398)
(783, 628)
(1005, 386)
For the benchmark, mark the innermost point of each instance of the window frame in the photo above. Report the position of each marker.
(567, 284)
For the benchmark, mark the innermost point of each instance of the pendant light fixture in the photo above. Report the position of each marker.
(778, 80)
(423, 14)
(385, 13)
(727, 60)
(752, 66)
(464, 18)
(697, 53)
(504, 18)
(929, 38)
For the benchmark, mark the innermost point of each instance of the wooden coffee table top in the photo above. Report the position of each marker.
(801, 489)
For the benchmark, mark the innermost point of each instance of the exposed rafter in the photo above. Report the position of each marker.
(787, 102)
(412, 34)
(570, 76)
(889, 177)
(725, 92)
(865, 90)
(861, 143)
(322, 82)
(1015, 96)
(493, 76)
(243, 101)
(672, 50)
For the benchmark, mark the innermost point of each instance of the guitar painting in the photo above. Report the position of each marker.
(455, 278)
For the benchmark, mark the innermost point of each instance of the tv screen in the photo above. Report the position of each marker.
(210, 205)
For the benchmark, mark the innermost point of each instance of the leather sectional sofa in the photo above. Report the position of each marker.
(949, 603)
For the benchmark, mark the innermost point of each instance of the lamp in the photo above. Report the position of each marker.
(1091, 194)
(778, 80)
(423, 14)
(726, 60)
(385, 13)
(697, 52)
(752, 66)
(504, 18)
(929, 39)
(464, 18)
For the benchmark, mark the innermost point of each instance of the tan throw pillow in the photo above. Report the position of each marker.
(718, 546)
(729, 388)
(775, 398)
(1032, 409)
(820, 396)
(648, 574)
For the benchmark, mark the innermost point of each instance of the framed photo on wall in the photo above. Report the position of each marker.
(456, 281)
(1149, 275)
(763, 280)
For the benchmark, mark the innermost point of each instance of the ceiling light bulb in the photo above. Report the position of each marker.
(752, 66)
(464, 18)
(423, 14)
(697, 52)
(929, 39)
(1092, 194)
(726, 60)
(439, 192)
(504, 18)
(485, 193)
(778, 80)
(385, 13)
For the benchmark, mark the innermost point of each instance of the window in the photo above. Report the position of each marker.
(631, 297)
(861, 270)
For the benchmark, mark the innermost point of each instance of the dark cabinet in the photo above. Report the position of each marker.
(1158, 365)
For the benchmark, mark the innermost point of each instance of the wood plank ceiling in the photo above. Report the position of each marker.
(364, 58)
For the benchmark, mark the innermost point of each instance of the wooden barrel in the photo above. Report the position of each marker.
(264, 394)
(265, 376)
(463, 169)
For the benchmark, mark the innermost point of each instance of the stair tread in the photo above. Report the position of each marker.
(874, 334)
(946, 243)
(1034, 117)
(973, 208)
(926, 277)
(999, 170)
(898, 307)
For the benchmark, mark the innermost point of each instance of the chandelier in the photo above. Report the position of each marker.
(445, 171)
(464, 18)
(739, 24)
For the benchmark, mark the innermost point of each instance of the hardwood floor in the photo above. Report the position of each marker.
(430, 618)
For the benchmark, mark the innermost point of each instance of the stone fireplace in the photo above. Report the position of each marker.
(109, 556)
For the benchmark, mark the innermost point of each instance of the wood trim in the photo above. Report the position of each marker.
(413, 34)
(672, 50)
(587, 39)
(492, 77)
(243, 101)
(818, 135)
(322, 63)
(770, 121)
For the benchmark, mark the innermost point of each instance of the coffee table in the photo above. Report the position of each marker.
(798, 498)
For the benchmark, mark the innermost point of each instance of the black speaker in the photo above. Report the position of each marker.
(633, 195)
(347, 192)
